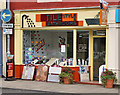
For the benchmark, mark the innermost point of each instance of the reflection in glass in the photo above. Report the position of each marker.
(82, 47)
(99, 56)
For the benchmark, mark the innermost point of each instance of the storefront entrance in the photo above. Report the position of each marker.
(99, 52)
(91, 52)
(98, 56)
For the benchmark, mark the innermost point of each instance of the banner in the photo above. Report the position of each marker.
(103, 17)
(103, 4)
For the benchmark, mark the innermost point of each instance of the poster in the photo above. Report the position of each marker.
(10, 69)
(42, 72)
(28, 72)
(62, 48)
(103, 17)
(29, 55)
(84, 74)
(53, 74)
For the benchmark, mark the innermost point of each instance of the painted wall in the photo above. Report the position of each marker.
(2, 4)
(114, 43)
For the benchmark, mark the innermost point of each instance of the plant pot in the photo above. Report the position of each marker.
(67, 81)
(109, 83)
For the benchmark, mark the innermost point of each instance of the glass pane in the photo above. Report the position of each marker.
(48, 44)
(99, 56)
(99, 32)
(82, 47)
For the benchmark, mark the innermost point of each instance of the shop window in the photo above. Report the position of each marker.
(82, 47)
(99, 33)
(47, 44)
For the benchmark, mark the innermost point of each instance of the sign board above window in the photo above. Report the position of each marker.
(62, 19)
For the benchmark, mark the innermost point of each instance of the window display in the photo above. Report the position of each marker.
(44, 45)
(82, 47)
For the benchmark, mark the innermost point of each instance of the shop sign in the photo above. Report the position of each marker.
(117, 15)
(103, 17)
(92, 21)
(64, 19)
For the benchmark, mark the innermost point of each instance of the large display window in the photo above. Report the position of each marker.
(47, 44)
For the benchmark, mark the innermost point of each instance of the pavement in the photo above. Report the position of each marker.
(56, 87)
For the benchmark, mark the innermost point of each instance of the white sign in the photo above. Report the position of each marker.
(62, 48)
(53, 75)
(55, 70)
(7, 31)
(84, 75)
(53, 78)
(101, 69)
(7, 25)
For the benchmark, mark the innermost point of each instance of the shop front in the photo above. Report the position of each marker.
(74, 36)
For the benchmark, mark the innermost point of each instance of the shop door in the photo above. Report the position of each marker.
(99, 48)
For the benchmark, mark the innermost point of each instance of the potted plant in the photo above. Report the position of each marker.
(66, 76)
(108, 78)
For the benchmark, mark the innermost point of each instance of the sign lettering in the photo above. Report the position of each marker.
(64, 19)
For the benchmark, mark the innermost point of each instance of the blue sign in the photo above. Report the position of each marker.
(117, 16)
(6, 15)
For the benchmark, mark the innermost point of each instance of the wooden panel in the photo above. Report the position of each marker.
(42, 72)
(76, 75)
(17, 71)
(38, 18)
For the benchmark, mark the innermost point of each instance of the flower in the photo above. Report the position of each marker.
(108, 75)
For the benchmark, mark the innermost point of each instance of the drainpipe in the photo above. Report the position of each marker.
(8, 36)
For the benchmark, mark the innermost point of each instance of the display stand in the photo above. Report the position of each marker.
(10, 69)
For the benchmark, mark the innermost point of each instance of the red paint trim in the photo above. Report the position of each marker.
(18, 71)
(35, 5)
(89, 83)
(76, 75)
(89, 67)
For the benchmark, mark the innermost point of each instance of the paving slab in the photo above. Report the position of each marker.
(56, 87)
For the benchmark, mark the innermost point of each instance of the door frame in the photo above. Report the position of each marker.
(94, 37)
(91, 46)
